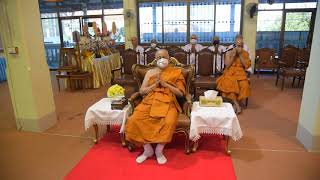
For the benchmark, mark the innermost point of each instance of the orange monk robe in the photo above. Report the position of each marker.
(233, 83)
(154, 120)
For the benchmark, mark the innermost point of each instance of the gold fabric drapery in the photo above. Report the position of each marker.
(101, 69)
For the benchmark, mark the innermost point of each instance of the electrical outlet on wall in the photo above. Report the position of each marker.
(13, 50)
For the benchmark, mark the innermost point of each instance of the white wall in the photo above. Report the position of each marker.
(309, 117)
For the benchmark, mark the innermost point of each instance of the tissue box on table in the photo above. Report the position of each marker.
(209, 102)
(210, 99)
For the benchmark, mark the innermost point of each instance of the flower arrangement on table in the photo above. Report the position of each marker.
(115, 91)
(100, 44)
(101, 40)
(116, 95)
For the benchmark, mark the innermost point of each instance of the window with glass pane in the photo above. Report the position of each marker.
(202, 20)
(94, 12)
(119, 21)
(264, 5)
(297, 27)
(269, 21)
(50, 29)
(88, 21)
(175, 22)
(113, 11)
(228, 17)
(202, 15)
(48, 15)
(74, 13)
(150, 17)
(268, 29)
(300, 4)
(68, 26)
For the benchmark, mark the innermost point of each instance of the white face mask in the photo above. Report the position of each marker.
(193, 41)
(153, 45)
(162, 63)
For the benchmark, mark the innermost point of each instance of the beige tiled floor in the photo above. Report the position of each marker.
(268, 150)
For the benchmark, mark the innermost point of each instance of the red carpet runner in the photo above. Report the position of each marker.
(109, 160)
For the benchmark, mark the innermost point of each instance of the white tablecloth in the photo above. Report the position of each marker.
(214, 120)
(101, 113)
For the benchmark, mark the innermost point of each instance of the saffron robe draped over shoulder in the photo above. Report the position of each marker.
(154, 120)
(234, 84)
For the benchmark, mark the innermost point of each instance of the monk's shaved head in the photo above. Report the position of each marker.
(134, 41)
(193, 36)
(162, 53)
(239, 40)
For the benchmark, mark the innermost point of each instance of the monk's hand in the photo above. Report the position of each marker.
(232, 53)
(163, 83)
(157, 83)
(238, 50)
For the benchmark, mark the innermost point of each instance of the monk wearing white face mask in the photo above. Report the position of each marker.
(153, 45)
(154, 120)
(193, 47)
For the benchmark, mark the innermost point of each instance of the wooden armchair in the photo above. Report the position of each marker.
(126, 76)
(182, 56)
(302, 63)
(149, 56)
(265, 59)
(172, 49)
(69, 68)
(205, 77)
(183, 125)
(287, 65)
(121, 49)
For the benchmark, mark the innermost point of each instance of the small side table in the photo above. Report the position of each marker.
(101, 113)
(214, 120)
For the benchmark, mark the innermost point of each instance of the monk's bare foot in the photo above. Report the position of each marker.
(242, 105)
(237, 107)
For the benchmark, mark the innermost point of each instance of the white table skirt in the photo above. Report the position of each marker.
(102, 114)
(214, 120)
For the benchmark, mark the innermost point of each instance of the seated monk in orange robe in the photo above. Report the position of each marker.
(234, 84)
(154, 120)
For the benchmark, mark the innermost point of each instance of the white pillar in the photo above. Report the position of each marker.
(130, 23)
(308, 132)
(27, 71)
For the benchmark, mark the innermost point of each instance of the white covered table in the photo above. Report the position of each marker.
(214, 120)
(101, 113)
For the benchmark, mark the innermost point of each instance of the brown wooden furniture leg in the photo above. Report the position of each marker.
(123, 139)
(283, 80)
(58, 84)
(228, 151)
(96, 131)
(108, 128)
(187, 144)
(195, 146)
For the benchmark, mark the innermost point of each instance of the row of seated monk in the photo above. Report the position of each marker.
(235, 88)
(191, 48)
(154, 119)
